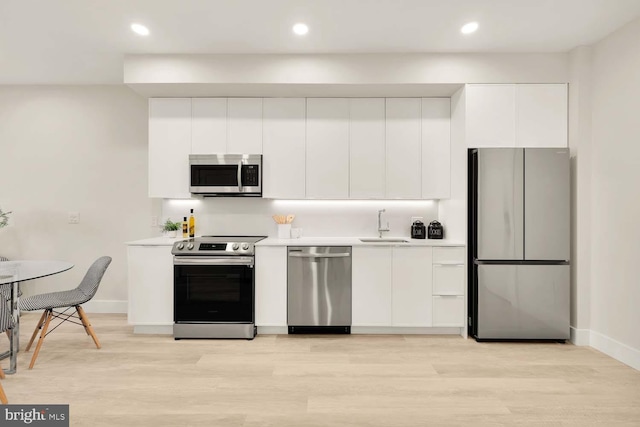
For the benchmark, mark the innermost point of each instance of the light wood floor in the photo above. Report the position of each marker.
(320, 381)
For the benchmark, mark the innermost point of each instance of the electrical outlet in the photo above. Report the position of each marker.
(154, 221)
(73, 217)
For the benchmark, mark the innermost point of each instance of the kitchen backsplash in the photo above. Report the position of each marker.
(316, 218)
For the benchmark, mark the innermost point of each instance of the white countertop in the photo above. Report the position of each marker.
(311, 241)
(353, 241)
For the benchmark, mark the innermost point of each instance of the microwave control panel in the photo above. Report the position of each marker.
(250, 175)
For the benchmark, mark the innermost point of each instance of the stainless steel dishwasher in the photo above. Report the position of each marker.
(319, 289)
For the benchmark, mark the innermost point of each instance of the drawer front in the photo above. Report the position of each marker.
(448, 311)
(448, 255)
(448, 279)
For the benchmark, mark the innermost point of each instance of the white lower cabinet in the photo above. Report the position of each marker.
(271, 286)
(411, 286)
(150, 273)
(448, 286)
(371, 286)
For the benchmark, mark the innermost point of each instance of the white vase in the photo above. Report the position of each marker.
(171, 234)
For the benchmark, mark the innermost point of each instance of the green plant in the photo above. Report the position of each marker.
(170, 225)
(4, 218)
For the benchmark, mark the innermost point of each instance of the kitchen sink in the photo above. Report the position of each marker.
(382, 240)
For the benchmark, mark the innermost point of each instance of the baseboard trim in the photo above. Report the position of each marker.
(272, 330)
(106, 306)
(405, 330)
(153, 329)
(619, 351)
(579, 337)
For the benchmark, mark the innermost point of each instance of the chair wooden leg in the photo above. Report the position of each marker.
(1, 374)
(43, 333)
(35, 331)
(87, 326)
(3, 397)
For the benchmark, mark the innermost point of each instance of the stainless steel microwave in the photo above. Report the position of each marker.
(226, 174)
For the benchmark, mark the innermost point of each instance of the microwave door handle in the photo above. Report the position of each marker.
(240, 176)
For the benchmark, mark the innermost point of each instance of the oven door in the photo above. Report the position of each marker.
(209, 289)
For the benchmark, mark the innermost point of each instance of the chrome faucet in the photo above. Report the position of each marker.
(380, 229)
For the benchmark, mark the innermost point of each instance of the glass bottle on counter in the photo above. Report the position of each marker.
(185, 228)
(192, 225)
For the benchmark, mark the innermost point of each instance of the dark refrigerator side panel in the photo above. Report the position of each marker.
(472, 252)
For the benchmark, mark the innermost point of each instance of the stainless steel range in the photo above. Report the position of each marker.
(213, 287)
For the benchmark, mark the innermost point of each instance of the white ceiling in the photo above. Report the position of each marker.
(82, 41)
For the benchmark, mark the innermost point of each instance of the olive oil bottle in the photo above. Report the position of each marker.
(192, 225)
(185, 228)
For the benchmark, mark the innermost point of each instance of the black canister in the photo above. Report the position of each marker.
(435, 230)
(418, 230)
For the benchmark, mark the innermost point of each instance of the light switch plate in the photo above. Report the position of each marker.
(74, 217)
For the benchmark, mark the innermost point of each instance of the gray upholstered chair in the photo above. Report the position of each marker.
(6, 323)
(73, 298)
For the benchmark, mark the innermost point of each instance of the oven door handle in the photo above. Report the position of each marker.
(241, 260)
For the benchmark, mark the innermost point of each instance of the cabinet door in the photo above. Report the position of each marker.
(541, 115)
(436, 148)
(327, 148)
(412, 283)
(271, 286)
(150, 275)
(367, 148)
(403, 148)
(284, 148)
(371, 286)
(245, 126)
(491, 115)
(209, 126)
(448, 311)
(169, 147)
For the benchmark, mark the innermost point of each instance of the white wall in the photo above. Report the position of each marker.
(615, 221)
(74, 148)
(316, 218)
(580, 111)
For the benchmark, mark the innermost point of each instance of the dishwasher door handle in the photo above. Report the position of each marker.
(303, 255)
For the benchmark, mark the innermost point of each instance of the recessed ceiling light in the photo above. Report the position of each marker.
(469, 28)
(140, 29)
(300, 29)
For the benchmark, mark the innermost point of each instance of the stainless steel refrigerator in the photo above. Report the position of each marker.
(519, 235)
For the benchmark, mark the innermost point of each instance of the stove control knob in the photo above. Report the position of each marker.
(190, 246)
(245, 246)
(235, 246)
(180, 246)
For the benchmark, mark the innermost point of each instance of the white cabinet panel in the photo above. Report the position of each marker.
(271, 285)
(244, 126)
(448, 255)
(209, 125)
(367, 148)
(412, 284)
(491, 115)
(448, 311)
(448, 279)
(327, 148)
(169, 147)
(371, 286)
(284, 148)
(541, 115)
(436, 148)
(403, 148)
(150, 275)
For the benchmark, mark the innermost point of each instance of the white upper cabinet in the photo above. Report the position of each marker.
(244, 124)
(436, 148)
(367, 148)
(283, 144)
(327, 165)
(209, 125)
(541, 115)
(169, 147)
(516, 115)
(491, 115)
(403, 148)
